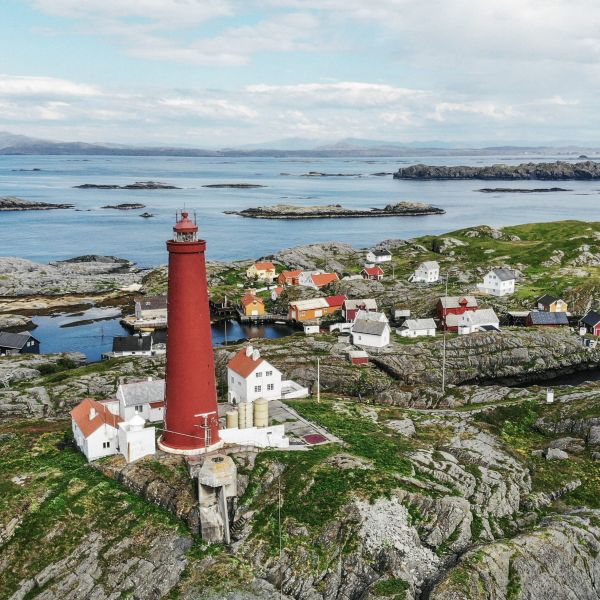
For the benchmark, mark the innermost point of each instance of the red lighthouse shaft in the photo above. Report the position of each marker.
(191, 418)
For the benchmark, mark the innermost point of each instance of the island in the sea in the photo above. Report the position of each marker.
(126, 206)
(235, 186)
(138, 185)
(558, 170)
(13, 203)
(505, 190)
(329, 211)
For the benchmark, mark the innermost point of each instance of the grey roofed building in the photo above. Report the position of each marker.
(369, 327)
(417, 324)
(504, 274)
(454, 301)
(132, 343)
(480, 317)
(15, 341)
(430, 264)
(381, 252)
(592, 318)
(141, 392)
(152, 302)
(548, 318)
(546, 299)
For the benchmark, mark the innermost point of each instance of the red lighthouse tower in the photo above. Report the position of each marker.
(191, 418)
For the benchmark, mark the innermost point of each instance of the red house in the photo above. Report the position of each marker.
(591, 323)
(373, 273)
(335, 302)
(289, 277)
(358, 357)
(455, 305)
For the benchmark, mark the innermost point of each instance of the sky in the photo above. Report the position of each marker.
(218, 73)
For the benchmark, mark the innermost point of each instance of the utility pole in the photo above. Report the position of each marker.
(318, 380)
(444, 346)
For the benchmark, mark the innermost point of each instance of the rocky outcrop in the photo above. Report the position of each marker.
(138, 185)
(15, 323)
(503, 190)
(318, 256)
(81, 275)
(126, 206)
(331, 211)
(547, 171)
(13, 203)
(559, 559)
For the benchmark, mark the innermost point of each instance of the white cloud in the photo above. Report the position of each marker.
(11, 85)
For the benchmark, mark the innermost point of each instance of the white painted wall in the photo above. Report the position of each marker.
(262, 437)
(373, 341)
(494, 286)
(135, 443)
(263, 382)
(103, 442)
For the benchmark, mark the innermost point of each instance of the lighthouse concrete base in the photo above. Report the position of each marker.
(190, 452)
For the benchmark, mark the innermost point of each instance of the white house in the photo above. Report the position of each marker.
(95, 429)
(151, 311)
(371, 333)
(498, 282)
(482, 319)
(135, 440)
(417, 328)
(142, 398)
(426, 272)
(379, 256)
(311, 329)
(250, 376)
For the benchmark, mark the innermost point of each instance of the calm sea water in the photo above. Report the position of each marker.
(50, 235)
(63, 333)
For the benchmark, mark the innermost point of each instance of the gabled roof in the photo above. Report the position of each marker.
(250, 299)
(323, 279)
(310, 304)
(416, 324)
(132, 343)
(370, 315)
(152, 302)
(364, 303)
(81, 415)
(243, 364)
(455, 301)
(141, 392)
(377, 270)
(592, 318)
(383, 252)
(546, 299)
(335, 301)
(548, 318)
(504, 274)
(429, 265)
(290, 274)
(369, 327)
(482, 316)
(277, 290)
(16, 341)
(264, 266)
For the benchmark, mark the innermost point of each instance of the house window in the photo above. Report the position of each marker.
(257, 388)
(268, 373)
(232, 380)
(270, 387)
(106, 445)
(259, 374)
(139, 409)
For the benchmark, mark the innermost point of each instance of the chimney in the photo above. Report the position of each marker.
(249, 351)
(255, 355)
(92, 413)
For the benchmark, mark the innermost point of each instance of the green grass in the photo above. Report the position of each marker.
(394, 587)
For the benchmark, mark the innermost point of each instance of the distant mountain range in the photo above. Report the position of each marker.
(11, 144)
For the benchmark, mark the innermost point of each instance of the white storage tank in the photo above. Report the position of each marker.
(261, 412)
(231, 419)
(249, 413)
(549, 396)
(242, 416)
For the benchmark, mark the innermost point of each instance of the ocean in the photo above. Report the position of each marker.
(57, 234)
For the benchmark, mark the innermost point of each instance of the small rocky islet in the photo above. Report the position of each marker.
(336, 211)
(138, 185)
(12, 203)
(559, 170)
(126, 206)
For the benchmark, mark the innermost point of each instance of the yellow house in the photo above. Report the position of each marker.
(263, 271)
(253, 306)
(550, 303)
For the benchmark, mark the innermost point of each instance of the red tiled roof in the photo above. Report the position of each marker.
(373, 270)
(335, 300)
(157, 404)
(81, 415)
(264, 266)
(278, 290)
(323, 279)
(291, 274)
(250, 298)
(243, 364)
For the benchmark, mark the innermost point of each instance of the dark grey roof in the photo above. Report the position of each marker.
(14, 340)
(132, 343)
(369, 327)
(592, 318)
(546, 299)
(152, 302)
(383, 252)
(548, 318)
(504, 274)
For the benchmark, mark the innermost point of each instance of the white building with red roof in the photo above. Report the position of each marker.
(250, 376)
(95, 429)
(375, 273)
